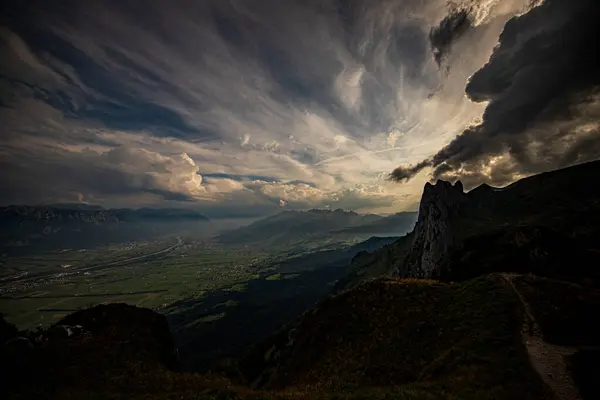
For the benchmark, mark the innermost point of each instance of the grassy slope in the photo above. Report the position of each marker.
(390, 339)
(441, 340)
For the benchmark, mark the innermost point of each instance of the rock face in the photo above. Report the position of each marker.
(433, 232)
(546, 224)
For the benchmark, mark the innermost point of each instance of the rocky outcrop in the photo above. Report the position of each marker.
(433, 235)
(545, 224)
(97, 346)
(132, 333)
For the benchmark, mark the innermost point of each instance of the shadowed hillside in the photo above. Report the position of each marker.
(391, 338)
(411, 339)
(433, 336)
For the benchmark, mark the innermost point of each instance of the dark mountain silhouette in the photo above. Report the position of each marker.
(540, 224)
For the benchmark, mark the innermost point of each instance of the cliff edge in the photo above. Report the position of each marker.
(434, 234)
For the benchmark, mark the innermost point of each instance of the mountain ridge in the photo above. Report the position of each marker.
(538, 224)
(49, 212)
(295, 227)
(25, 229)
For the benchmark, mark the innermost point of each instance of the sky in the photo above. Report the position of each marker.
(247, 107)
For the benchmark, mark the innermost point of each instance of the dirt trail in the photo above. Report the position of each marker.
(547, 359)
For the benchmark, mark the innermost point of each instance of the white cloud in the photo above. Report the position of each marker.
(245, 140)
(348, 87)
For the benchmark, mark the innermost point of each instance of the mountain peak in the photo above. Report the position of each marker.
(444, 189)
(443, 195)
(433, 234)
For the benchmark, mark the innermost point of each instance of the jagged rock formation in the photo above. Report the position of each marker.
(433, 235)
(541, 224)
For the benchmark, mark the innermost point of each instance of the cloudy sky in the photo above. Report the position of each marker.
(245, 107)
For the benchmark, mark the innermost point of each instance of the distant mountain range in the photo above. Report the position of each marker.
(41, 228)
(319, 226)
(390, 225)
(75, 206)
(26, 229)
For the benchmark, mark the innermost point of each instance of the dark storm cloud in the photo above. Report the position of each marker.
(403, 174)
(542, 85)
(450, 29)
